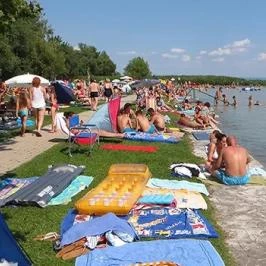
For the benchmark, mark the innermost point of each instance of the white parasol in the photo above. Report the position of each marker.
(25, 80)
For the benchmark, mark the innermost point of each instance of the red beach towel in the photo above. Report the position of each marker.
(122, 147)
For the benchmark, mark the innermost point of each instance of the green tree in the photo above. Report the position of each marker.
(11, 10)
(138, 68)
(104, 65)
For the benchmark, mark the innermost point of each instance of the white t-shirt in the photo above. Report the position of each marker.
(38, 100)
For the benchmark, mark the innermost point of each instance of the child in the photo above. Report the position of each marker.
(54, 107)
(22, 109)
(234, 101)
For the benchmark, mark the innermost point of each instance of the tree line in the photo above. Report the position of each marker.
(28, 44)
(213, 80)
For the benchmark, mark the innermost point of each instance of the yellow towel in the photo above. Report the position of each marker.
(184, 198)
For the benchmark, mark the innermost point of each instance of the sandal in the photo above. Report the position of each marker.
(52, 236)
(38, 134)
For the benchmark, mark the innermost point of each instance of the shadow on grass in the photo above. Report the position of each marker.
(8, 174)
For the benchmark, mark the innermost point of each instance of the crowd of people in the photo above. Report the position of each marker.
(150, 122)
(89, 94)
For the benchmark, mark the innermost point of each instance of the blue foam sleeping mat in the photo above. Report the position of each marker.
(141, 136)
(185, 252)
(198, 135)
(168, 222)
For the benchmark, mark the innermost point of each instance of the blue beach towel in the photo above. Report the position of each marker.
(29, 122)
(185, 252)
(174, 184)
(163, 199)
(77, 185)
(97, 226)
(141, 136)
(170, 222)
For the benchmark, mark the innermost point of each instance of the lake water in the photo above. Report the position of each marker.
(247, 123)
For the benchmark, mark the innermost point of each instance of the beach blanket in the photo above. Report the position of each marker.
(10, 251)
(174, 184)
(257, 171)
(77, 185)
(184, 198)
(185, 252)
(161, 199)
(9, 186)
(40, 192)
(123, 147)
(167, 222)
(198, 135)
(71, 218)
(97, 226)
(141, 136)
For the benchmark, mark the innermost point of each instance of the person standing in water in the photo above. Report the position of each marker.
(218, 95)
(234, 101)
(250, 101)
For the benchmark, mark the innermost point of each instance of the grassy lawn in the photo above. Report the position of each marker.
(27, 222)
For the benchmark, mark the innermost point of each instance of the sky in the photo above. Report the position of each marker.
(216, 37)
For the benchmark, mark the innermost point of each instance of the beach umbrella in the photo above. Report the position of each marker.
(145, 83)
(126, 78)
(24, 80)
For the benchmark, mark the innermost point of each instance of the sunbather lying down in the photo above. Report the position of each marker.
(62, 123)
(185, 121)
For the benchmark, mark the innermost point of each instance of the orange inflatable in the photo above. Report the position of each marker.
(118, 192)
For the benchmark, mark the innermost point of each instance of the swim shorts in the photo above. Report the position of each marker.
(94, 94)
(231, 180)
(129, 130)
(151, 130)
(23, 112)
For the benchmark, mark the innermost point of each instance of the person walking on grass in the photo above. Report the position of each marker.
(37, 97)
(22, 110)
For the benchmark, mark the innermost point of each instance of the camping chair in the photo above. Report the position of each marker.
(81, 134)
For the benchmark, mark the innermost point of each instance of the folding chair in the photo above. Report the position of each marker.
(82, 135)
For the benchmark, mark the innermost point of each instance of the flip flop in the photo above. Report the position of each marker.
(52, 236)
(38, 134)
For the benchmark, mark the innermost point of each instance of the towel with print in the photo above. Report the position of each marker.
(170, 223)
